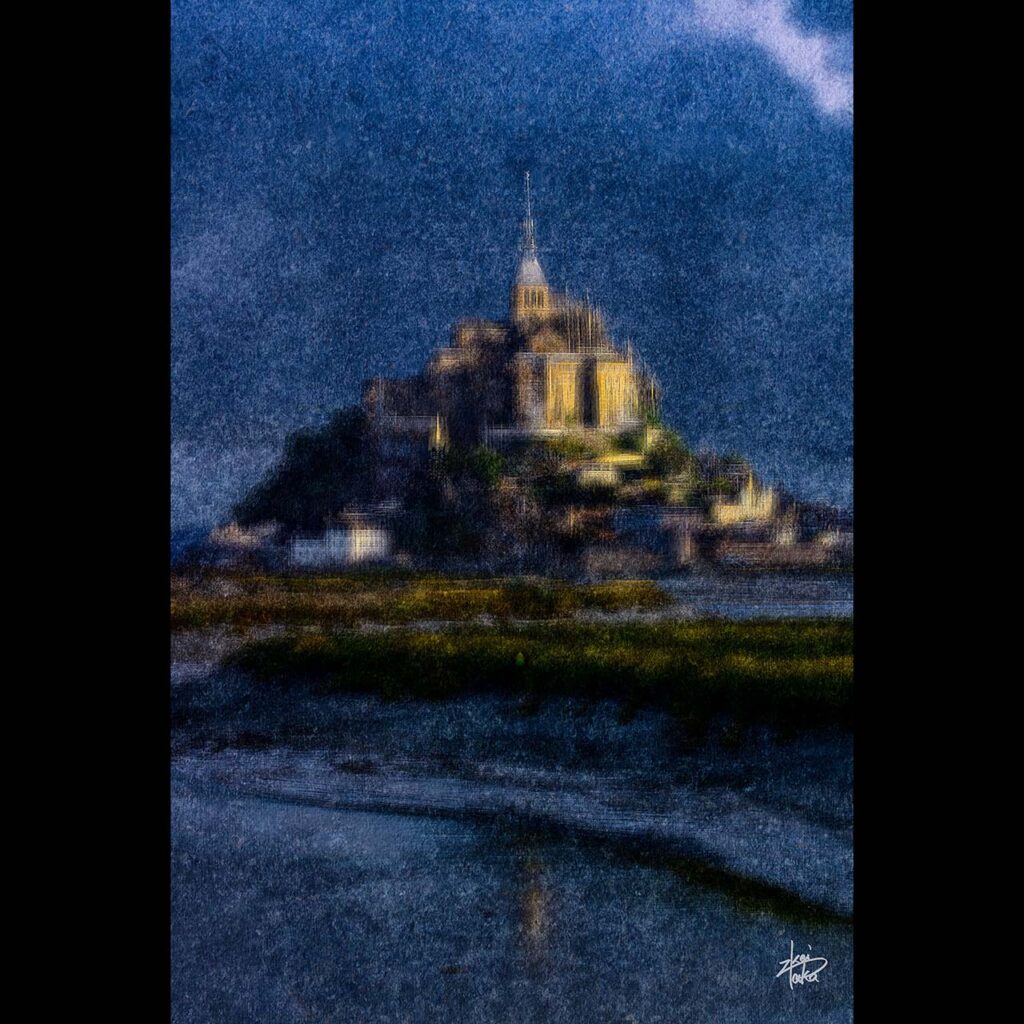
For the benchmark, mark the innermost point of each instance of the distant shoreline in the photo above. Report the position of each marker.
(243, 600)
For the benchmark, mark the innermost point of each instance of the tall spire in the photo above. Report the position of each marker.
(529, 273)
(529, 244)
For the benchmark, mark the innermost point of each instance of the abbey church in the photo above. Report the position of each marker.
(549, 368)
(530, 441)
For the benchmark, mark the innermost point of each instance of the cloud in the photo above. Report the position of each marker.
(818, 61)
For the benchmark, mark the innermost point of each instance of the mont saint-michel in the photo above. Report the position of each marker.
(534, 441)
(511, 585)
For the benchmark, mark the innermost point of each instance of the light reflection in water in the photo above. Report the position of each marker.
(535, 908)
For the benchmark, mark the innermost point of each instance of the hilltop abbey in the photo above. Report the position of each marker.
(529, 442)
(549, 369)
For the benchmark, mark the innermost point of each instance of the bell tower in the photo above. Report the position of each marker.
(531, 297)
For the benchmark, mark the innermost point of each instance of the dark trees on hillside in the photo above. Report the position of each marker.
(320, 473)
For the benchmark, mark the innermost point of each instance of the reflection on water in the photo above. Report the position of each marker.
(419, 902)
(534, 909)
(291, 913)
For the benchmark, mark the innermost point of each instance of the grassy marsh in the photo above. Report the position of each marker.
(798, 672)
(343, 601)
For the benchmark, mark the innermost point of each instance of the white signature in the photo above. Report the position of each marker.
(802, 962)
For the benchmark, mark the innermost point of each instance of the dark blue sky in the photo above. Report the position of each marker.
(346, 183)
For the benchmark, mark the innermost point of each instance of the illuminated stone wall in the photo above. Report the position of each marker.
(754, 505)
(561, 407)
(616, 401)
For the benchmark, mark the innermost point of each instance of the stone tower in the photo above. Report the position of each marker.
(531, 297)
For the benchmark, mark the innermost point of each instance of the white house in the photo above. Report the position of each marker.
(342, 545)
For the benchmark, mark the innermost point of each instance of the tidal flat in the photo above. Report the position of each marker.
(608, 815)
(347, 856)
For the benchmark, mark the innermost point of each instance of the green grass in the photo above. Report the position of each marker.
(343, 601)
(797, 672)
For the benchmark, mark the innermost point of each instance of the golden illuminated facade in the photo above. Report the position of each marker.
(754, 504)
(551, 367)
(561, 404)
(616, 395)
